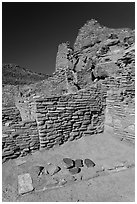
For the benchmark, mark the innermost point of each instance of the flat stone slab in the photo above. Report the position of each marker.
(89, 163)
(68, 162)
(52, 169)
(24, 183)
(78, 163)
(74, 170)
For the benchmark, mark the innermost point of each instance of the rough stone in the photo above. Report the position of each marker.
(68, 162)
(74, 170)
(78, 163)
(52, 169)
(89, 163)
(24, 183)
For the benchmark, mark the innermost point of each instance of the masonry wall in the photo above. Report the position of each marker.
(69, 117)
(58, 119)
(121, 116)
(120, 111)
(10, 115)
(20, 139)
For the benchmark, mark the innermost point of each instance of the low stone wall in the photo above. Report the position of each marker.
(124, 121)
(20, 139)
(68, 117)
(120, 114)
(55, 120)
(10, 115)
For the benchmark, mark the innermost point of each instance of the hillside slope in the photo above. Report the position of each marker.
(15, 75)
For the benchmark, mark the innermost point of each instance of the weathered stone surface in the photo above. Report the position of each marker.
(74, 170)
(89, 163)
(78, 163)
(24, 183)
(52, 169)
(68, 162)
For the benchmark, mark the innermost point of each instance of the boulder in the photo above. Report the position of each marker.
(52, 169)
(89, 163)
(68, 162)
(24, 183)
(78, 163)
(74, 170)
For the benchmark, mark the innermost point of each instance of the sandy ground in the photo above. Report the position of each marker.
(104, 149)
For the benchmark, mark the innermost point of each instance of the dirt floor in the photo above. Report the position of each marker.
(104, 149)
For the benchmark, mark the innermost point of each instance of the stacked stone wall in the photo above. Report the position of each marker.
(120, 102)
(121, 116)
(69, 117)
(10, 115)
(20, 139)
(58, 119)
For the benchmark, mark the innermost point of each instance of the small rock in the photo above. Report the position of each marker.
(68, 162)
(62, 181)
(8, 123)
(36, 170)
(79, 163)
(24, 183)
(52, 169)
(89, 163)
(74, 170)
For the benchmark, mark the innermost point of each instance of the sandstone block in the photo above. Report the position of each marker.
(90, 127)
(68, 162)
(78, 163)
(74, 170)
(89, 163)
(7, 153)
(40, 123)
(86, 122)
(24, 183)
(52, 169)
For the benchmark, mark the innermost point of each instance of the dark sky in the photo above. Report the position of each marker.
(31, 32)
